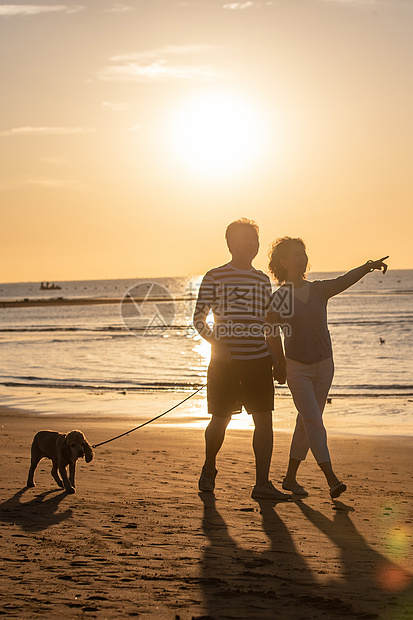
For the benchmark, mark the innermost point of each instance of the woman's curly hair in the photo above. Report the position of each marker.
(279, 250)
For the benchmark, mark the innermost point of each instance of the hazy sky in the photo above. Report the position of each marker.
(132, 134)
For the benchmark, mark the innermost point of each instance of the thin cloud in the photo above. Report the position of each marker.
(45, 182)
(120, 8)
(55, 161)
(166, 63)
(162, 52)
(46, 131)
(132, 72)
(24, 10)
(49, 183)
(239, 6)
(235, 6)
(116, 106)
(135, 128)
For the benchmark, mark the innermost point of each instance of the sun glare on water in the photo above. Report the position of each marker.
(218, 134)
(239, 421)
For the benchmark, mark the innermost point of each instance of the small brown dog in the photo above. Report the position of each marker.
(63, 450)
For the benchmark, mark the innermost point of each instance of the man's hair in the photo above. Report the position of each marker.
(278, 251)
(235, 226)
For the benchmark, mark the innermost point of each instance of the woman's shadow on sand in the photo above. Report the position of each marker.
(36, 514)
(365, 571)
(277, 582)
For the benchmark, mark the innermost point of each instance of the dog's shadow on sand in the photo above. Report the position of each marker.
(37, 513)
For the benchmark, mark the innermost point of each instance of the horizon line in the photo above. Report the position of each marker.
(196, 275)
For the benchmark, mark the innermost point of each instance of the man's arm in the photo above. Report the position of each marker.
(203, 306)
(200, 315)
(275, 343)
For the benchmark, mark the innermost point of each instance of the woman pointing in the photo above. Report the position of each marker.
(306, 361)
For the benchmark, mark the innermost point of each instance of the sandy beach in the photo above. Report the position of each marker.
(138, 540)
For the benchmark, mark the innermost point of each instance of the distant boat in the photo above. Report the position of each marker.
(50, 286)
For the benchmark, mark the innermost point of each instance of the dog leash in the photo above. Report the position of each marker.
(149, 421)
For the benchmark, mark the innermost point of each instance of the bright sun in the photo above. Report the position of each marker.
(218, 134)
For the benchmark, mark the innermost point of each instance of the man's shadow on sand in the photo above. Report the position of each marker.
(243, 583)
(278, 581)
(36, 514)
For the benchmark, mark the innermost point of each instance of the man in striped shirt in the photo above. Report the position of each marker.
(240, 371)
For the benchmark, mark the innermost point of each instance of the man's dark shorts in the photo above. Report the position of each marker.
(247, 383)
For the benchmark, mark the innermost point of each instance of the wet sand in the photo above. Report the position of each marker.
(137, 540)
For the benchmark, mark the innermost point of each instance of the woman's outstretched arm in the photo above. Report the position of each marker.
(337, 285)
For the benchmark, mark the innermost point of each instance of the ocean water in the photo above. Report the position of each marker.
(151, 345)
